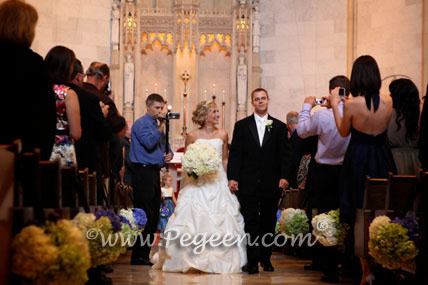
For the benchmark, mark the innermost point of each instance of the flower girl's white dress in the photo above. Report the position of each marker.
(204, 207)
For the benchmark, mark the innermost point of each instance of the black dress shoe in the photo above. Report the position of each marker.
(312, 267)
(140, 261)
(267, 266)
(250, 269)
(330, 279)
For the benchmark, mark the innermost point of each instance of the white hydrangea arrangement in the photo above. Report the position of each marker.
(378, 223)
(201, 159)
(328, 229)
(293, 222)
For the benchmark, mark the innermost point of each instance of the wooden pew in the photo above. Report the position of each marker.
(7, 184)
(374, 202)
(399, 190)
(51, 189)
(84, 189)
(92, 177)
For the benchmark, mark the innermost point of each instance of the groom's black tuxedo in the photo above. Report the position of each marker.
(258, 170)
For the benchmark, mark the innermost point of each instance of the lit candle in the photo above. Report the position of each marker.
(214, 89)
(205, 94)
(164, 91)
(223, 95)
(147, 92)
(156, 88)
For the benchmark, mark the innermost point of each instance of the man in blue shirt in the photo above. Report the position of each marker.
(147, 153)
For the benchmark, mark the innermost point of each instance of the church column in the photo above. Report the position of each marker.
(115, 78)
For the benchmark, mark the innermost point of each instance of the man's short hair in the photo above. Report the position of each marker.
(292, 117)
(259, 90)
(154, 98)
(98, 69)
(340, 81)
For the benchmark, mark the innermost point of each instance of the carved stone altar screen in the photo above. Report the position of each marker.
(160, 39)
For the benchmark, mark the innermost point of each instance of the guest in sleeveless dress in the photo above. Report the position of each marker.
(205, 207)
(366, 116)
(59, 63)
(168, 201)
(403, 133)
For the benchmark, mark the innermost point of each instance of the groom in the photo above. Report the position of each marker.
(257, 170)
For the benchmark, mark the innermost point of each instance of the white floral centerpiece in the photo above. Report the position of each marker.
(201, 159)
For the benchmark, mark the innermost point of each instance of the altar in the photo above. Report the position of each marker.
(187, 51)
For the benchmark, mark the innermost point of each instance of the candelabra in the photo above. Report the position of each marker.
(185, 77)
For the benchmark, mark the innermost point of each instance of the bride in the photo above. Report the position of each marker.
(206, 211)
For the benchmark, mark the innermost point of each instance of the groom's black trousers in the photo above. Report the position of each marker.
(147, 196)
(260, 219)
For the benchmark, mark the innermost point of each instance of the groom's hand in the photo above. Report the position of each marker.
(233, 186)
(283, 183)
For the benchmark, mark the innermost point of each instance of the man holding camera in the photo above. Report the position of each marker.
(325, 170)
(147, 153)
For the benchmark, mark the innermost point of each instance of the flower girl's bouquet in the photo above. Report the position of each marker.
(393, 243)
(293, 222)
(328, 229)
(201, 159)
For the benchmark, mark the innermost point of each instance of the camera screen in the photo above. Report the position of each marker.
(342, 92)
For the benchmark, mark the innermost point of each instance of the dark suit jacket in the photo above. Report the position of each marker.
(259, 169)
(94, 129)
(28, 109)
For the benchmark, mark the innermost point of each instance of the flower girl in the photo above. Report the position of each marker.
(168, 201)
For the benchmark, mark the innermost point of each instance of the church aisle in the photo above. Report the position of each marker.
(288, 270)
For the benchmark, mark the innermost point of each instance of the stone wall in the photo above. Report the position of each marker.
(303, 45)
(81, 25)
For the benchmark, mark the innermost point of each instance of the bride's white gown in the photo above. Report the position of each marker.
(206, 206)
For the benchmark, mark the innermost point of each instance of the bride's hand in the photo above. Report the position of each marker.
(233, 186)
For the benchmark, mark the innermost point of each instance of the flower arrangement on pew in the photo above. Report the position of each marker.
(99, 229)
(200, 159)
(393, 243)
(293, 222)
(133, 223)
(328, 229)
(56, 253)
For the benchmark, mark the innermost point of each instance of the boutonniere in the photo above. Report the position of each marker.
(269, 124)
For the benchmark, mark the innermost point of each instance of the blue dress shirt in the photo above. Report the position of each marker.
(147, 142)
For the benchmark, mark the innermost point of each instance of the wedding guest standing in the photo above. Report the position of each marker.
(403, 129)
(59, 63)
(366, 116)
(323, 179)
(26, 113)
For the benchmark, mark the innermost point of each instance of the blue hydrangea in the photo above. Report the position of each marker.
(114, 219)
(140, 218)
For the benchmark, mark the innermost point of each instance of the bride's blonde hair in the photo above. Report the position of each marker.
(200, 114)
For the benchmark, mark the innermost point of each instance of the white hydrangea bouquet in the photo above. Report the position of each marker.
(200, 159)
(328, 229)
(293, 222)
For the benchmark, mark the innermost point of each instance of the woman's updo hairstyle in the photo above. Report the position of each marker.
(200, 114)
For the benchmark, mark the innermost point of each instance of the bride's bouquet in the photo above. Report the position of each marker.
(201, 159)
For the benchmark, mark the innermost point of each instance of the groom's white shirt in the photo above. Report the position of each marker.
(261, 126)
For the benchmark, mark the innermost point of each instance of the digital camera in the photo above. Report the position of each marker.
(319, 101)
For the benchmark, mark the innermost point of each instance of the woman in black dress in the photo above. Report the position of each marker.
(366, 116)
